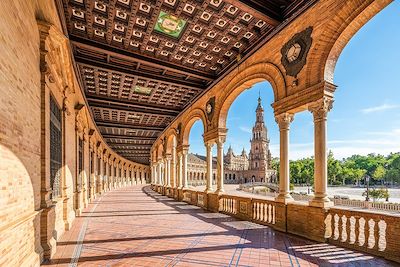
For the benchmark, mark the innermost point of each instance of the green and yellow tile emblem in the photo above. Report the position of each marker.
(169, 24)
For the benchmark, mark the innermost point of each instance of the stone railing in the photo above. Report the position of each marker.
(264, 211)
(228, 204)
(395, 207)
(375, 233)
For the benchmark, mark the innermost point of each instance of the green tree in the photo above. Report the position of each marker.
(379, 173)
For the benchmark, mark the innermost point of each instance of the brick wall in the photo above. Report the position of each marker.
(24, 120)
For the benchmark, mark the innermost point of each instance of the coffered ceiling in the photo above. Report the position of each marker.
(142, 62)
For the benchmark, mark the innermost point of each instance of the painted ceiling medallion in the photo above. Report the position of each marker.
(294, 52)
(169, 25)
(142, 90)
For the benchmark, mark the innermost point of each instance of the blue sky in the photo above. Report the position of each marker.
(366, 113)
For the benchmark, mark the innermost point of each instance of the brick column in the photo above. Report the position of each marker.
(284, 121)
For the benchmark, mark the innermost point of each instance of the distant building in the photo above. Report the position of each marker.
(243, 168)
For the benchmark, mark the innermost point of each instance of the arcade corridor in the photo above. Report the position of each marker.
(135, 226)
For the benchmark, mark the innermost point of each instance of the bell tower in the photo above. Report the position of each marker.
(260, 155)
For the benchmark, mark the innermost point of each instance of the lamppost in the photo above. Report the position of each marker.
(367, 180)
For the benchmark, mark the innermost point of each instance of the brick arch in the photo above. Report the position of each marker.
(171, 140)
(342, 26)
(194, 115)
(160, 151)
(245, 79)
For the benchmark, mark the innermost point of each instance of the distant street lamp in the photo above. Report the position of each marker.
(367, 181)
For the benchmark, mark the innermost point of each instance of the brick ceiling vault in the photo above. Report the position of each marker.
(141, 62)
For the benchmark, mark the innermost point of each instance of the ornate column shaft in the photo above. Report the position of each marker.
(209, 161)
(180, 170)
(168, 170)
(320, 111)
(173, 168)
(184, 168)
(284, 121)
(159, 173)
(220, 165)
(152, 173)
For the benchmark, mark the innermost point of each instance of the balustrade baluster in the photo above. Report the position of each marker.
(273, 214)
(340, 227)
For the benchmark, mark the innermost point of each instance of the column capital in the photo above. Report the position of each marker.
(284, 120)
(208, 144)
(168, 156)
(215, 134)
(183, 149)
(321, 107)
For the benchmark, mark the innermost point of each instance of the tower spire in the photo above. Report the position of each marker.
(259, 101)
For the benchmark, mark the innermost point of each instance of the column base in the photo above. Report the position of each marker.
(219, 191)
(208, 190)
(78, 212)
(284, 198)
(321, 202)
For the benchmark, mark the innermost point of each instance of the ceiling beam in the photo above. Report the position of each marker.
(129, 126)
(130, 71)
(130, 144)
(141, 59)
(103, 102)
(129, 137)
(255, 10)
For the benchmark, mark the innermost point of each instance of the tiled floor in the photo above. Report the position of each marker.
(136, 227)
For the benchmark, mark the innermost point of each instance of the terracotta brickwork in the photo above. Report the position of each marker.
(36, 65)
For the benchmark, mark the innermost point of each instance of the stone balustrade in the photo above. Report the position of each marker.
(372, 232)
(375, 233)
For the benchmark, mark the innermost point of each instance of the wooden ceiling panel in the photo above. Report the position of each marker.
(142, 62)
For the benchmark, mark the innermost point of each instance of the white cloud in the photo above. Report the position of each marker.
(245, 129)
(379, 108)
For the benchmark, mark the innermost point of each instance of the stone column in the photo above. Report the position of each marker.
(173, 167)
(159, 173)
(93, 173)
(152, 173)
(320, 111)
(86, 171)
(100, 174)
(168, 170)
(284, 121)
(209, 162)
(142, 180)
(155, 173)
(180, 170)
(220, 165)
(184, 167)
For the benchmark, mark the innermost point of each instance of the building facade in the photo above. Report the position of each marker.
(243, 168)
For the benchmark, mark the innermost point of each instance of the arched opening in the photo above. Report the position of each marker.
(363, 137)
(253, 136)
(196, 159)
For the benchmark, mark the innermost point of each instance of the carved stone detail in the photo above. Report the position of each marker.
(303, 41)
(284, 120)
(320, 108)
